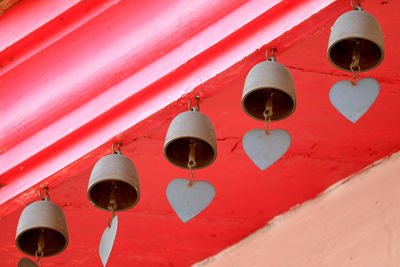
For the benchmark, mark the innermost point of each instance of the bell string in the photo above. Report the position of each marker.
(355, 63)
(268, 110)
(192, 154)
(111, 208)
(112, 204)
(192, 159)
(191, 176)
(41, 244)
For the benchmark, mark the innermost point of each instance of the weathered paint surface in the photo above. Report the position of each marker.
(92, 80)
(81, 81)
(354, 223)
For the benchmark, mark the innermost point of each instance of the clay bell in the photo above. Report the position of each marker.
(186, 128)
(263, 79)
(114, 178)
(42, 221)
(359, 30)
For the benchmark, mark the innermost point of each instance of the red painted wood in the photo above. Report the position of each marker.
(108, 95)
(99, 76)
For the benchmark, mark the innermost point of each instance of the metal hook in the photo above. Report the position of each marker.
(197, 98)
(46, 194)
(273, 50)
(355, 63)
(358, 7)
(118, 149)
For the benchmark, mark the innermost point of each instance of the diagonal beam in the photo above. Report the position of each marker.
(117, 68)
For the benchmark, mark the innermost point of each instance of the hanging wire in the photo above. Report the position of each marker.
(355, 63)
(109, 220)
(39, 261)
(40, 252)
(46, 195)
(112, 204)
(192, 159)
(191, 180)
(197, 98)
(358, 7)
(268, 110)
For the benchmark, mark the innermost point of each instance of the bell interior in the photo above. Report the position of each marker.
(255, 102)
(178, 152)
(54, 241)
(341, 53)
(125, 194)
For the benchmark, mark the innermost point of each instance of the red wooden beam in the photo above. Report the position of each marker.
(102, 72)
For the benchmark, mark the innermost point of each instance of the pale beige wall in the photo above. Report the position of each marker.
(355, 223)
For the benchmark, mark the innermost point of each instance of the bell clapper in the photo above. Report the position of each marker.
(192, 160)
(355, 63)
(268, 110)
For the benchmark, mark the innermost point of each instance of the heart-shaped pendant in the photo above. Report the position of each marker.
(107, 240)
(187, 199)
(352, 101)
(264, 149)
(26, 262)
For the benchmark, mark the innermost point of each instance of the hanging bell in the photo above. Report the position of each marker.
(269, 79)
(114, 177)
(42, 222)
(185, 129)
(356, 32)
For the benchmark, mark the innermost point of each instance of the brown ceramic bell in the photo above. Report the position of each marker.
(114, 178)
(187, 128)
(42, 221)
(356, 30)
(263, 79)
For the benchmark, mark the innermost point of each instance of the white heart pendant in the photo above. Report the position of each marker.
(189, 200)
(264, 149)
(107, 240)
(26, 262)
(352, 101)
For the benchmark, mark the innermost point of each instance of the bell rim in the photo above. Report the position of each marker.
(362, 70)
(244, 97)
(186, 168)
(113, 179)
(46, 255)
